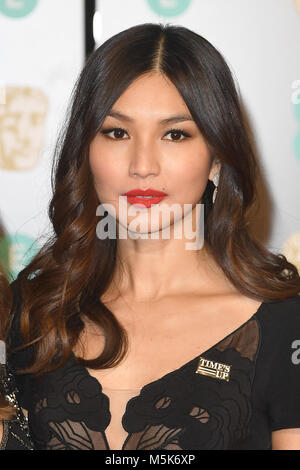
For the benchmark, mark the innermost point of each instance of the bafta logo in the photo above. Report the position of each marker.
(22, 120)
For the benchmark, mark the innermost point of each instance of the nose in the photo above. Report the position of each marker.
(144, 161)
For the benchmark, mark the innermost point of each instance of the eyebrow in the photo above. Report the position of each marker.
(171, 119)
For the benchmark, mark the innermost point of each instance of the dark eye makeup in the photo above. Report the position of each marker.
(176, 131)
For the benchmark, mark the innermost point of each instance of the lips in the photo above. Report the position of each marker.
(144, 198)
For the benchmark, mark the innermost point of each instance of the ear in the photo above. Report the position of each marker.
(215, 168)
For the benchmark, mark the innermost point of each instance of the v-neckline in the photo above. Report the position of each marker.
(163, 377)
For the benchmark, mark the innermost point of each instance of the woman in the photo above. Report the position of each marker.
(128, 342)
(14, 432)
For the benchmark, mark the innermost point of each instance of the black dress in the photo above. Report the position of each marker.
(231, 396)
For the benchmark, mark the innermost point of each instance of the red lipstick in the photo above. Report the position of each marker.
(144, 198)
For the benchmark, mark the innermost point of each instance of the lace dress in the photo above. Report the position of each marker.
(232, 396)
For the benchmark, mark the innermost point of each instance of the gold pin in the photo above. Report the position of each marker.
(213, 369)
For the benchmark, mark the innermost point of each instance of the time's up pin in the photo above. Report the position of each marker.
(213, 369)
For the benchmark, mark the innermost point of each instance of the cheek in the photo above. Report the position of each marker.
(105, 172)
(191, 175)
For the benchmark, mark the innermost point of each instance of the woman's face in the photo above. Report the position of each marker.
(137, 150)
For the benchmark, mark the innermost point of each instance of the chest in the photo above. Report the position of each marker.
(155, 389)
(72, 409)
(165, 335)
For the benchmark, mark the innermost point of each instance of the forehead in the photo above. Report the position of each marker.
(151, 94)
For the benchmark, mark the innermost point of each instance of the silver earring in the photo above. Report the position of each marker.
(216, 182)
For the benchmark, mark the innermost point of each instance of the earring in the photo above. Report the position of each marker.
(216, 182)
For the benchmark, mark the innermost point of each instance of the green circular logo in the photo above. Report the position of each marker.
(17, 8)
(169, 8)
(16, 251)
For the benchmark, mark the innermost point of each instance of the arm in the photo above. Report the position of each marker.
(286, 439)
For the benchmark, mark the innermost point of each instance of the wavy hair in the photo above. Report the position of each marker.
(74, 267)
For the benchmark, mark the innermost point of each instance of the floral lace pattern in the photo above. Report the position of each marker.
(70, 410)
(181, 410)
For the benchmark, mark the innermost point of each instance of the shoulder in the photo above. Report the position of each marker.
(284, 312)
(279, 322)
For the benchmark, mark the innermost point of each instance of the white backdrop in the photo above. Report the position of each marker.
(41, 54)
(260, 40)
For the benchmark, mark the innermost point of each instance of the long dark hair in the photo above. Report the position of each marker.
(74, 268)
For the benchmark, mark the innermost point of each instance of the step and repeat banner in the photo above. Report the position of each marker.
(42, 51)
(41, 54)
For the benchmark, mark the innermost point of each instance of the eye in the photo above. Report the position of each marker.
(178, 132)
(116, 130)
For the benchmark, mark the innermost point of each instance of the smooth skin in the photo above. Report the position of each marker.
(173, 302)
